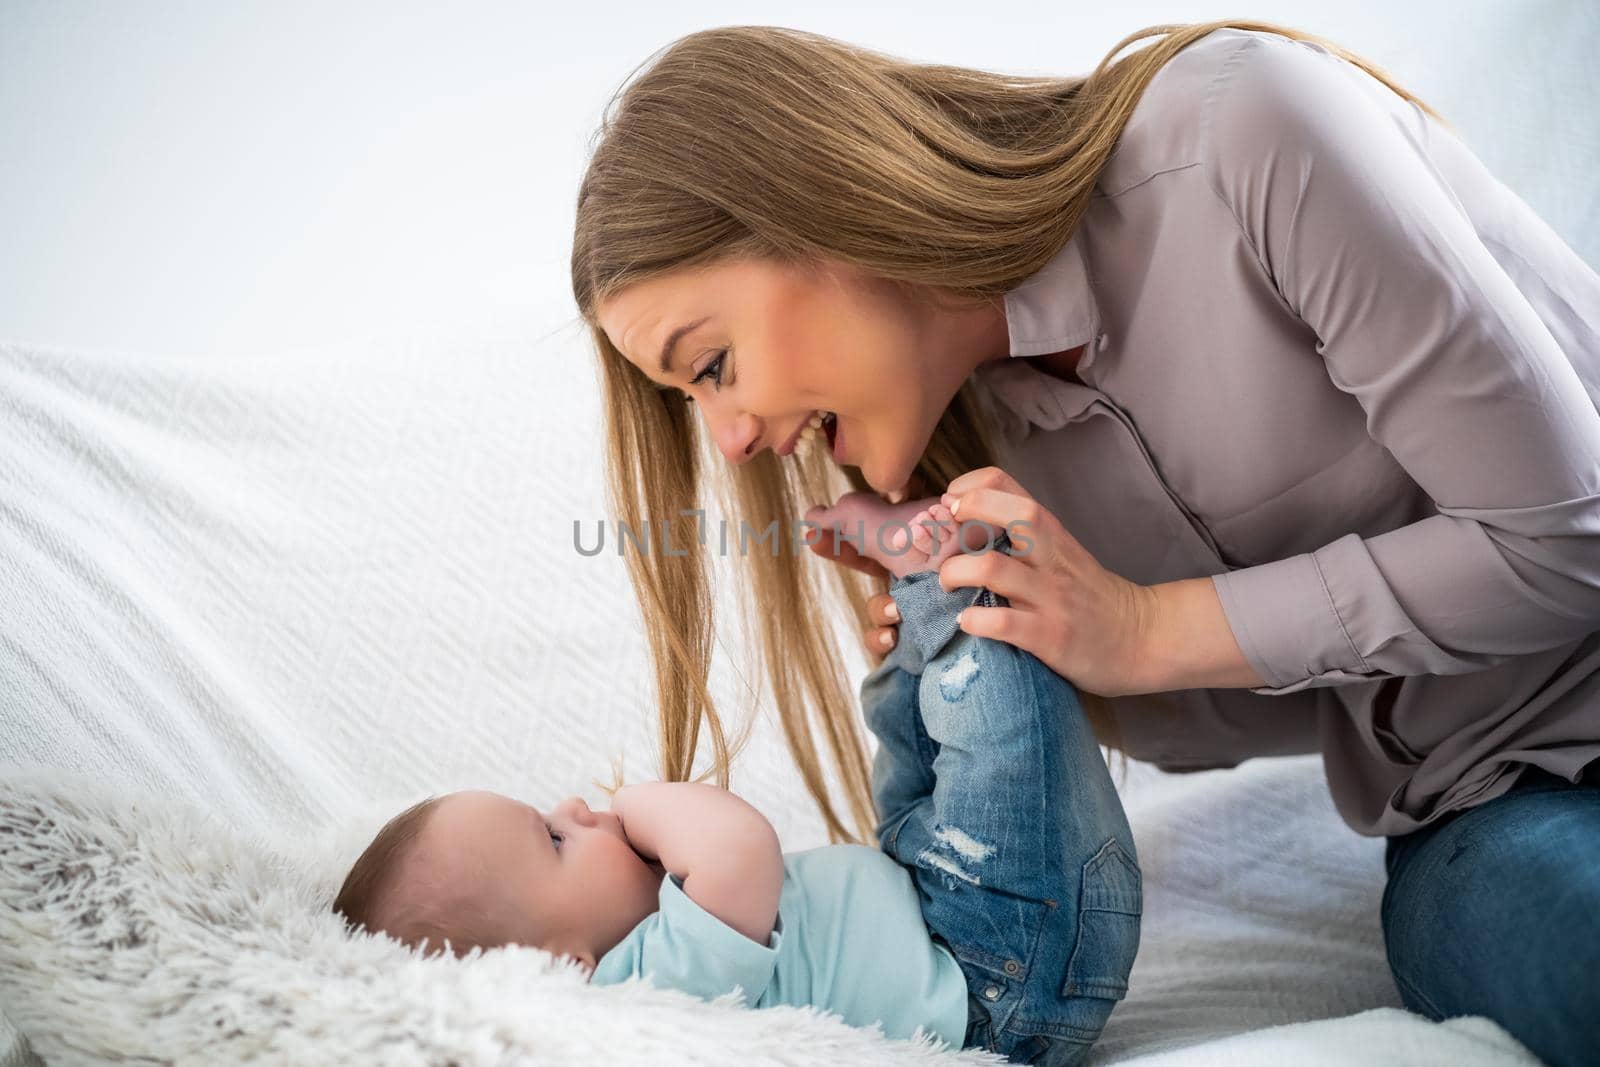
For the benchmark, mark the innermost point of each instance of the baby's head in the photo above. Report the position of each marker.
(483, 870)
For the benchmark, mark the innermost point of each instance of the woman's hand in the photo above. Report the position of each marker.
(1087, 624)
(880, 637)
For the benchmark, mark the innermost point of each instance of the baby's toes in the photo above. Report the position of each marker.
(925, 538)
(946, 523)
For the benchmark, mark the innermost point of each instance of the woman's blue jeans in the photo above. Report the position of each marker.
(1495, 910)
(991, 790)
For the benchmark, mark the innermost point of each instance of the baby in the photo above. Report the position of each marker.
(1002, 911)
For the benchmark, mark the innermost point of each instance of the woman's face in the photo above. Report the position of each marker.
(769, 346)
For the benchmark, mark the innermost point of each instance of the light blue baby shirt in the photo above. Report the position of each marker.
(849, 939)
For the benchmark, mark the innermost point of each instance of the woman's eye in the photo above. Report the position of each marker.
(712, 370)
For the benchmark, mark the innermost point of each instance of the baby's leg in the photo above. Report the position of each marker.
(902, 767)
(1021, 849)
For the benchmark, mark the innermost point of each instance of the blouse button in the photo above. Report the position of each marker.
(991, 993)
(1012, 966)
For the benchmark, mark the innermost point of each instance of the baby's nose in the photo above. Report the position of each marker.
(579, 811)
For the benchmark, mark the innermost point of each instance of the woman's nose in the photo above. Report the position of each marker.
(735, 432)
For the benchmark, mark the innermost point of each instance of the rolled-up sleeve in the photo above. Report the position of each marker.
(682, 946)
(1459, 377)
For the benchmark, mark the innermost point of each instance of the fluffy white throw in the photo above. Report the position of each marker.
(138, 929)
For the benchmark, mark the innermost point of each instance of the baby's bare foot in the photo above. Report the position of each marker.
(906, 538)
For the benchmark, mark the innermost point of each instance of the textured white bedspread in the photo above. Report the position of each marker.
(297, 593)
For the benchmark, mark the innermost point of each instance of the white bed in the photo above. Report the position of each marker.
(294, 594)
(256, 595)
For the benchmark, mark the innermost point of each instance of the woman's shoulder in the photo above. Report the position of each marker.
(1238, 100)
(1167, 125)
(1163, 132)
(1275, 104)
(1209, 59)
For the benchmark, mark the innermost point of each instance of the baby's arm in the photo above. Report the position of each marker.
(724, 850)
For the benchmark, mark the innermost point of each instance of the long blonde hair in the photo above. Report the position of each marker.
(775, 143)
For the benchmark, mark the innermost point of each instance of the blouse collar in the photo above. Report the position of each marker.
(1052, 310)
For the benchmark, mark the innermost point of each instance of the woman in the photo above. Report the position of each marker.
(1298, 404)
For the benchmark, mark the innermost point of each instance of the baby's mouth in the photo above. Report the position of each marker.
(622, 828)
(654, 865)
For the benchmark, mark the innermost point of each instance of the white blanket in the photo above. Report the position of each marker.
(296, 591)
(138, 926)
(294, 595)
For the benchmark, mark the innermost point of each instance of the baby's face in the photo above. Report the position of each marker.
(567, 880)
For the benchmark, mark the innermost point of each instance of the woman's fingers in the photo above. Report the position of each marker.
(878, 642)
(1009, 576)
(1088, 624)
(984, 478)
(1015, 626)
(882, 610)
(997, 507)
(880, 638)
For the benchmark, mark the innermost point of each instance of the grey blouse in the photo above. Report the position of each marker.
(1339, 368)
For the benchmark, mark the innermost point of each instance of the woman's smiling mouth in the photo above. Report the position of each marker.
(816, 422)
(789, 443)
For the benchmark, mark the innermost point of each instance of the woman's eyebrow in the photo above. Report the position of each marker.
(672, 340)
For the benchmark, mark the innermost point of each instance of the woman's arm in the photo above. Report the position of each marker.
(1460, 379)
(1191, 644)
(725, 851)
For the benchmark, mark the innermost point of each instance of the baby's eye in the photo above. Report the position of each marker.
(555, 838)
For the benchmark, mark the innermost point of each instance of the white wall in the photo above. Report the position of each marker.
(196, 177)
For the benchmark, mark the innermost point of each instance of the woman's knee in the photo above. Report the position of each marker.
(1497, 913)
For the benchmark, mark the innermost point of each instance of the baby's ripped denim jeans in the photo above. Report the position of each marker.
(991, 790)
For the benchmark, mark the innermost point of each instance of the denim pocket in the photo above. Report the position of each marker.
(994, 938)
(1109, 906)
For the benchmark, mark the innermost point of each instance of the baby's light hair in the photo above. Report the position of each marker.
(617, 781)
(371, 897)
